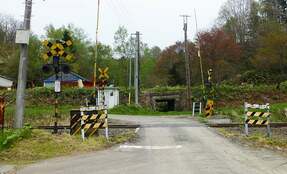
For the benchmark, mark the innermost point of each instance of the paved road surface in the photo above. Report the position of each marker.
(168, 146)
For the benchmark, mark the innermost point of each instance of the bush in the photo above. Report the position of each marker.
(8, 137)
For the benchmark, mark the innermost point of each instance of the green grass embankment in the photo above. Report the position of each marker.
(236, 114)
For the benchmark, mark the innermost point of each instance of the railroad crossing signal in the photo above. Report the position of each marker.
(209, 75)
(57, 49)
(103, 77)
(104, 73)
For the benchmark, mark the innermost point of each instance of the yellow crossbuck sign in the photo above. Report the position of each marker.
(104, 73)
(57, 49)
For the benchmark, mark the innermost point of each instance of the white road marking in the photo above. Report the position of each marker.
(137, 129)
(150, 147)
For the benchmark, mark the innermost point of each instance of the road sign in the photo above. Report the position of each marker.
(22, 37)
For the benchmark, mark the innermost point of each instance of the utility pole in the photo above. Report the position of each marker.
(130, 78)
(200, 59)
(96, 49)
(22, 74)
(137, 67)
(187, 62)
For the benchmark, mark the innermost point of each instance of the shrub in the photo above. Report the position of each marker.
(8, 137)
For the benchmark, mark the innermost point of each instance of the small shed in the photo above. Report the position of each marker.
(70, 79)
(112, 97)
(5, 82)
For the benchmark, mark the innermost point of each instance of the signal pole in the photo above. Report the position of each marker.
(187, 62)
(22, 74)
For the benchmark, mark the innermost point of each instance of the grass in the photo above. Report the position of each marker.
(10, 136)
(256, 140)
(236, 114)
(43, 145)
(39, 115)
(137, 110)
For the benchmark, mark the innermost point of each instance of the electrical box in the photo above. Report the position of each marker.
(22, 36)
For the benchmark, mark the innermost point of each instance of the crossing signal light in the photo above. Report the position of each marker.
(65, 68)
(46, 69)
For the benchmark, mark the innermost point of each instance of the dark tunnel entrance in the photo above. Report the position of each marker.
(165, 105)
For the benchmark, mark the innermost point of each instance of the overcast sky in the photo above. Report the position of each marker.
(157, 20)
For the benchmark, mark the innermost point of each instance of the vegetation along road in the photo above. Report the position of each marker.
(168, 145)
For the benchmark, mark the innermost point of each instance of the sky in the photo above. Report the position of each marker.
(159, 21)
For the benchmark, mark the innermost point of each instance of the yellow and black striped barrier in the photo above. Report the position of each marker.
(87, 121)
(209, 108)
(261, 117)
(91, 123)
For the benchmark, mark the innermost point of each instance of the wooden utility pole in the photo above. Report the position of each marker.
(96, 47)
(22, 74)
(187, 62)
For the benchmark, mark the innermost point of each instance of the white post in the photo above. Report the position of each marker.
(193, 107)
(268, 119)
(82, 123)
(107, 126)
(246, 117)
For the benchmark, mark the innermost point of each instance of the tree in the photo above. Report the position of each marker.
(124, 45)
(220, 52)
(235, 17)
(170, 69)
(155, 52)
(275, 10)
(9, 51)
(271, 55)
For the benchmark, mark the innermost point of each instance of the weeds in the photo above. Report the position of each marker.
(42, 145)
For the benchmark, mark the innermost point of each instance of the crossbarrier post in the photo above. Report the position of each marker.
(268, 119)
(200, 107)
(82, 123)
(193, 107)
(2, 112)
(246, 117)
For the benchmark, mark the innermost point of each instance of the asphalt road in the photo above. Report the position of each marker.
(168, 146)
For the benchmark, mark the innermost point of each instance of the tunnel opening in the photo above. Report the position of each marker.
(165, 105)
